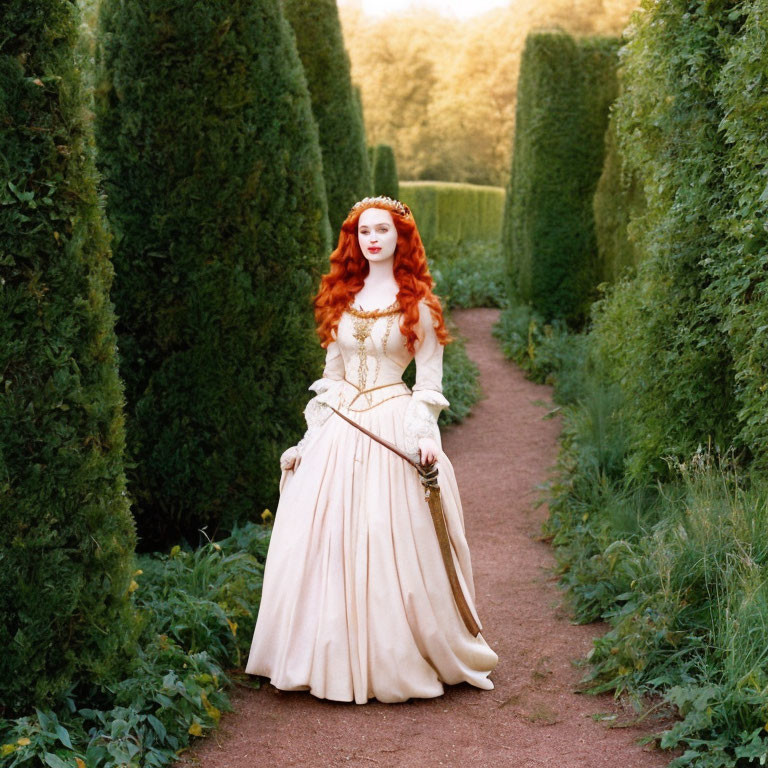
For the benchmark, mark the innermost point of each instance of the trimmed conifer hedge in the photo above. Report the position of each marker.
(565, 89)
(216, 197)
(385, 181)
(454, 213)
(337, 110)
(66, 536)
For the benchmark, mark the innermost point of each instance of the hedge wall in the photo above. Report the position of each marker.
(337, 110)
(618, 198)
(215, 193)
(565, 89)
(455, 213)
(685, 338)
(385, 181)
(66, 532)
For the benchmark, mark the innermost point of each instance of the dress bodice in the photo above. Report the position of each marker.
(364, 366)
(370, 350)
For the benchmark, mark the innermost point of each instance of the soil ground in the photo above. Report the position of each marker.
(534, 716)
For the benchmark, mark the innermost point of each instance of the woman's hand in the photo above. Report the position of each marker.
(428, 449)
(290, 458)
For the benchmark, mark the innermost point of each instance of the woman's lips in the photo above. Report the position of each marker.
(374, 250)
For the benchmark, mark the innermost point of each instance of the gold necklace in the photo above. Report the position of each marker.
(392, 309)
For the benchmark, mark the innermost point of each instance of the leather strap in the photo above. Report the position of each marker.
(434, 500)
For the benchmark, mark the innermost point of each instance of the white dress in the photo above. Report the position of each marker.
(356, 602)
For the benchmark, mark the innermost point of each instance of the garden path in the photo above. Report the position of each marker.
(534, 717)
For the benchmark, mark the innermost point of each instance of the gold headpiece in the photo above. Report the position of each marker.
(401, 208)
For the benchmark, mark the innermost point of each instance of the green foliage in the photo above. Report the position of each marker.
(548, 352)
(565, 89)
(67, 536)
(216, 198)
(191, 604)
(336, 107)
(469, 274)
(455, 213)
(618, 198)
(681, 337)
(385, 181)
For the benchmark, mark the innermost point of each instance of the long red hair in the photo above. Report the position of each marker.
(349, 268)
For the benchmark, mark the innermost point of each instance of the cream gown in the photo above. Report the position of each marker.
(356, 602)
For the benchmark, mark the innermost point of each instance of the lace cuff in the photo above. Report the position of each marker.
(421, 418)
(321, 385)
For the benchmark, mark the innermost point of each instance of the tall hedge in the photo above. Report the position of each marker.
(565, 89)
(337, 110)
(215, 193)
(385, 181)
(686, 337)
(66, 532)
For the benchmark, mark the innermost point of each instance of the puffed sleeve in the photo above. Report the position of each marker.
(315, 412)
(427, 399)
(333, 370)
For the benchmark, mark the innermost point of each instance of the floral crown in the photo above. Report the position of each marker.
(401, 208)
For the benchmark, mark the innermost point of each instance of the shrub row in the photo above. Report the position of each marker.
(454, 213)
(685, 338)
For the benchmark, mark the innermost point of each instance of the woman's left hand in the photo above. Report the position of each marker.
(428, 449)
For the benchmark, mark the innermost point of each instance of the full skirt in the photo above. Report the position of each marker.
(356, 602)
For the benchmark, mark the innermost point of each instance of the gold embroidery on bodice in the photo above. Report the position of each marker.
(362, 324)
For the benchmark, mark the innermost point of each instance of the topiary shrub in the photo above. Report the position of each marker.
(385, 181)
(66, 535)
(454, 213)
(565, 89)
(336, 107)
(618, 198)
(215, 194)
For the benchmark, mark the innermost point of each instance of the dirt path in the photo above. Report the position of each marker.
(533, 717)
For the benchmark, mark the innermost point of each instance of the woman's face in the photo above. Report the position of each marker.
(376, 234)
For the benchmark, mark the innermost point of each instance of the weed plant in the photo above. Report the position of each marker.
(197, 609)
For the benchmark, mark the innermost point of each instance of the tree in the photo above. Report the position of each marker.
(67, 537)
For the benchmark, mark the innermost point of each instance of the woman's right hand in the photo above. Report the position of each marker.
(290, 459)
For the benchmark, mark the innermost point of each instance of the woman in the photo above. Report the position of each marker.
(356, 601)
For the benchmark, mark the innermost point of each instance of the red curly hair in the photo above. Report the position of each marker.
(349, 268)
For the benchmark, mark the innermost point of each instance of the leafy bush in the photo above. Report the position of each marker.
(618, 199)
(191, 605)
(468, 274)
